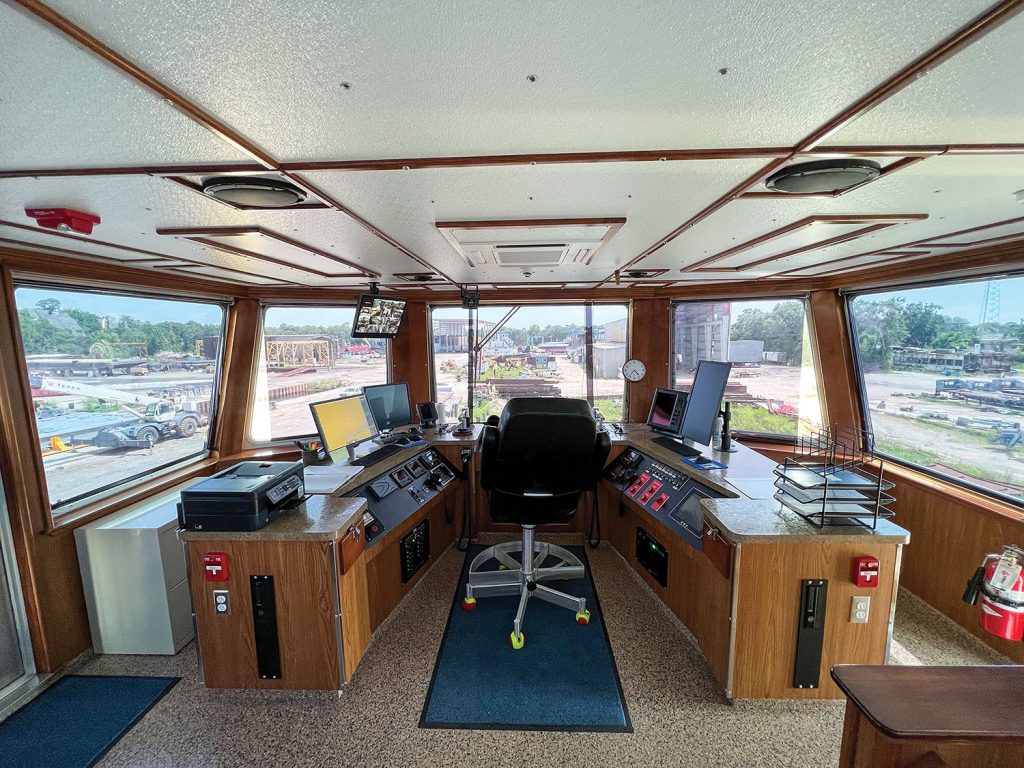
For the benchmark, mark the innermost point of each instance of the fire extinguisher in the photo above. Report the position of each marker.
(1000, 582)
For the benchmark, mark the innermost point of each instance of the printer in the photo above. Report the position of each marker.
(244, 497)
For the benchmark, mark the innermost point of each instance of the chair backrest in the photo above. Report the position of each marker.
(541, 456)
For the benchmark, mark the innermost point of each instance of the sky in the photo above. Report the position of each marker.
(145, 309)
(965, 299)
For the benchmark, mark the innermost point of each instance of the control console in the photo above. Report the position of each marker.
(668, 493)
(394, 495)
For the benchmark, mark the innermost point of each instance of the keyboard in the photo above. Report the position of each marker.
(677, 447)
(379, 455)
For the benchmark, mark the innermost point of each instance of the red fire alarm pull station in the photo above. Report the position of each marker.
(215, 566)
(865, 571)
(63, 219)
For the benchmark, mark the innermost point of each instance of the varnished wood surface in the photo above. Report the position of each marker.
(649, 340)
(768, 607)
(833, 353)
(410, 358)
(355, 615)
(238, 368)
(304, 597)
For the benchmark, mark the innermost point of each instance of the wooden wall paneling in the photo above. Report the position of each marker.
(48, 564)
(410, 357)
(238, 368)
(304, 597)
(649, 341)
(949, 537)
(834, 357)
(769, 604)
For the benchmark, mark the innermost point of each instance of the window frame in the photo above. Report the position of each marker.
(68, 509)
(804, 299)
(865, 414)
(588, 361)
(248, 440)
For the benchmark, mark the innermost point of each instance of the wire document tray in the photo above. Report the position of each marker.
(835, 478)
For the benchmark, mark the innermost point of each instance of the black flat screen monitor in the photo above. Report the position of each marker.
(343, 421)
(377, 317)
(667, 410)
(389, 404)
(705, 401)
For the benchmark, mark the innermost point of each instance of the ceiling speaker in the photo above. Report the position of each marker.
(253, 191)
(822, 176)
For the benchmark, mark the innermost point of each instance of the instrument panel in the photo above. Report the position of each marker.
(393, 496)
(668, 493)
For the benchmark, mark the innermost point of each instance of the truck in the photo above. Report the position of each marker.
(746, 352)
(159, 417)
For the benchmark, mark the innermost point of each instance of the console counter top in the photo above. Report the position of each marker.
(318, 518)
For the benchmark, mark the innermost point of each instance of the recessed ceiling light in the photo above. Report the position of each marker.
(820, 176)
(531, 78)
(254, 191)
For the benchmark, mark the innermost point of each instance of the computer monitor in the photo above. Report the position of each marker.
(705, 401)
(377, 317)
(389, 404)
(343, 422)
(667, 410)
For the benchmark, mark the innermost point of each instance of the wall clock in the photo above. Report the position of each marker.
(633, 370)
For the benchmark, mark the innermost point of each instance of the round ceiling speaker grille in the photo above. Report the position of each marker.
(823, 176)
(253, 191)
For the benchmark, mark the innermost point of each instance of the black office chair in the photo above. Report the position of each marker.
(542, 455)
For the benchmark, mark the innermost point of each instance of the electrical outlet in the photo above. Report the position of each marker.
(860, 607)
(221, 602)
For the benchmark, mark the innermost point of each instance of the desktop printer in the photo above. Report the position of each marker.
(244, 497)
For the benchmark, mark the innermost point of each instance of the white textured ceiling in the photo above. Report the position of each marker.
(62, 107)
(450, 77)
(436, 79)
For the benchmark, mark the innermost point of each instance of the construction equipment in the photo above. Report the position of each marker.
(159, 417)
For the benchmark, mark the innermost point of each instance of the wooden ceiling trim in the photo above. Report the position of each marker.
(207, 236)
(970, 33)
(190, 269)
(83, 239)
(136, 170)
(878, 221)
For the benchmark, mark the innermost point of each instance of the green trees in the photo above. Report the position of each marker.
(883, 324)
(781, 328)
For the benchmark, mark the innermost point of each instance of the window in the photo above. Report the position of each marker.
(307, 355)
(942, 371)
(530, 350)
(118, 390)
(773, 386)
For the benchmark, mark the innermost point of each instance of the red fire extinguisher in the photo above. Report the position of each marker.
(999, 580)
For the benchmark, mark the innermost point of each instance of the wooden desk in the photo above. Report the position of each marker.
(931, 717)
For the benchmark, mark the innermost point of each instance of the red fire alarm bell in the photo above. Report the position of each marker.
(865, 571)
(215, 565)
(63, 219)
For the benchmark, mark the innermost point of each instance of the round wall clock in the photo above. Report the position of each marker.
(633, 370)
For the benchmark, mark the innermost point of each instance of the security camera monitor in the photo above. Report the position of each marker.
(377, 317)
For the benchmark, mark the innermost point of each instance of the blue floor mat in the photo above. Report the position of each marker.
(77, 720)
(563, 679)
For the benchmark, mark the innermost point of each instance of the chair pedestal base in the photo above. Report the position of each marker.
(524, 576)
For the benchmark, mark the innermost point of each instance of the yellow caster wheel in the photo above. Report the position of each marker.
(583, 618)
(502, 567)
(469, 603)
(517, 641)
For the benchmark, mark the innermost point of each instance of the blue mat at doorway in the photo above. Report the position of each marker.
(563, 679)
(77, 720)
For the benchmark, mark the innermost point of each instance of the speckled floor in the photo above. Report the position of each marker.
(679, 714)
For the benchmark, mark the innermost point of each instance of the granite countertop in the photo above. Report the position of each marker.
(318, 518)
(762, 520)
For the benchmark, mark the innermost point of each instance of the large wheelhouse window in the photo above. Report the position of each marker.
(773, 386)
(942, 376)
(529, 350)
(119, 391)
(307, 354)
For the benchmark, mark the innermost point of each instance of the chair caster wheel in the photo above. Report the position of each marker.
(502, 567)
(469, 603)
(517, 641)
(583, 618)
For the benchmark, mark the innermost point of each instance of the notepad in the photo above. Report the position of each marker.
(328, 478)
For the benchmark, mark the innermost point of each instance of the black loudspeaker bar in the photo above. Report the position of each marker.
(810, 633)
(264, 622)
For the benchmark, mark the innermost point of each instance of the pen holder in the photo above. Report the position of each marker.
(311, 457)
